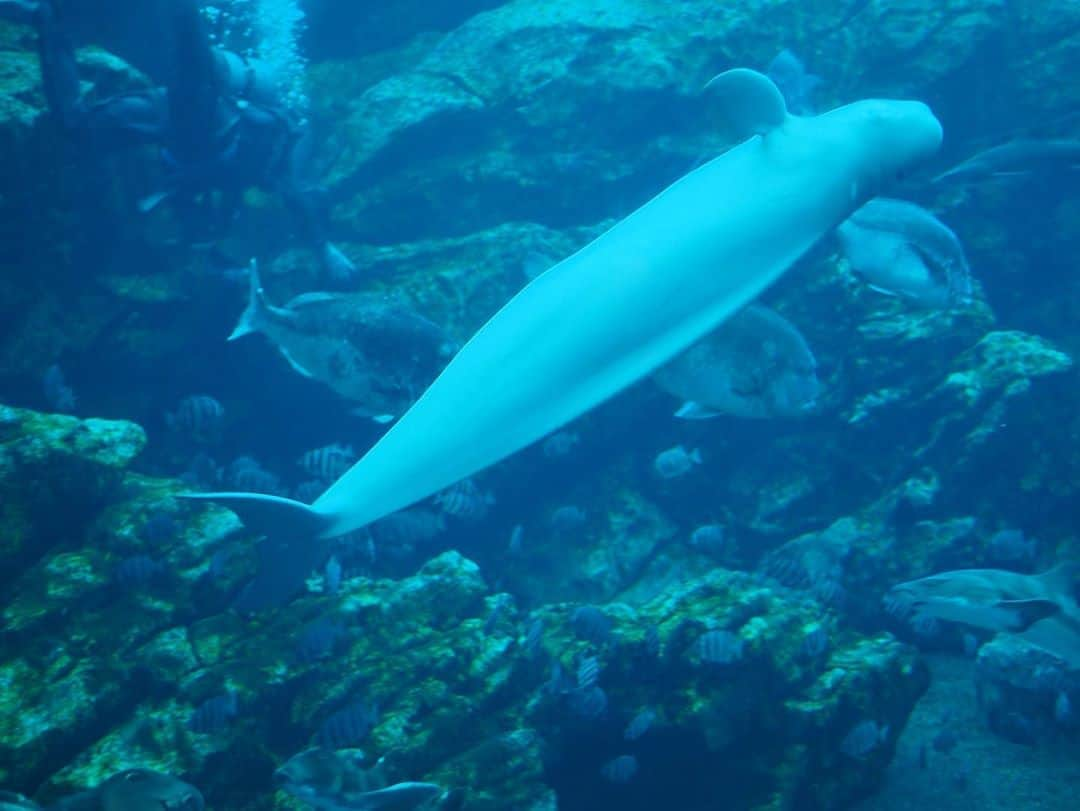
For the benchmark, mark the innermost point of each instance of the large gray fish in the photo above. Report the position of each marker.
(904, 250)
(992, 599)
(1058, 635)
(335, 781)
(1024, 156)
(366, 347)
(135, 790)
(755, 365)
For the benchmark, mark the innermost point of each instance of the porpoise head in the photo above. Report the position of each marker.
(884, 139)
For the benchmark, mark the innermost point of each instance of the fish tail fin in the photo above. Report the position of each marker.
(271, 515)
(1063, 578)
(252, 315)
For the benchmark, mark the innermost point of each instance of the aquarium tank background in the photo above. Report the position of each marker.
(819, 550)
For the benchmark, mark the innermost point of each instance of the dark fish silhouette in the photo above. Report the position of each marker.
(349, 726)
(369, 348)
(214, 714)
(1023, 156)
(756, 365)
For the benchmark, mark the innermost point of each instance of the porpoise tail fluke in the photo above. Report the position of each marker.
(271, 515)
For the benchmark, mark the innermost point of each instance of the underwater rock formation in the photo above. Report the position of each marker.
(118, 663)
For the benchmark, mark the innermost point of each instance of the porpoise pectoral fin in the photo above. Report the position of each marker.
(294, 363)
(752, 104)
(695, 411)
(270, 515)
(1028, 612)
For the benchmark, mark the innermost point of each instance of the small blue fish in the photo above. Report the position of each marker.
(675, 462)
(329, 462)
(332, 575)
(1063, 710)
(1011, 546)
(246, 473)
(408, 527)
(517, 537)
(349, 726)
(214, 714)
(720, 647)
(815, 642)
(639, 724)
(863, 739)
(202, 471)
(591, 624)
(534, 638)
(498, 609)
(58, 394)
(465, 500)
(137, 570)
(588, 703)
(620, 770)
(559, 682)
(708, 538)
(567, 518)
(588, 672)
(199, 416)
(317, 639)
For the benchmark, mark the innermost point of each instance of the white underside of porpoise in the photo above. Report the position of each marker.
(626, 303)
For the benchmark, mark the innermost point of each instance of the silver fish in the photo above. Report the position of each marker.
(904, 250)
(992, 599)
(1023, 156)
(144, 790)
(756, 365)
(367, 347)
(336, 781)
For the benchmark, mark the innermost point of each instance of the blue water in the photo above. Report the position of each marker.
(434, 157)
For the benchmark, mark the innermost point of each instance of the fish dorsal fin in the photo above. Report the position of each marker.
(751, 103)
(307, 299)
(1063, 578)
(1029, 612)
(691, 410)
